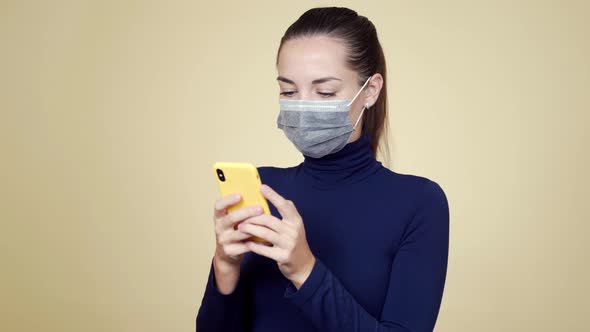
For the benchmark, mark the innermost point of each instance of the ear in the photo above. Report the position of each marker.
(373, 90)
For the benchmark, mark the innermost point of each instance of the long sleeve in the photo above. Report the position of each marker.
(221, 312)
(416, 283)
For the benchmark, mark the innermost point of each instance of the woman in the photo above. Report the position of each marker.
(355, 246)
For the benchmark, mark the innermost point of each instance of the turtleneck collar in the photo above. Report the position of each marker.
(352, 163)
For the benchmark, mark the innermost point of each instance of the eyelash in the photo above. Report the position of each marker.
(323, 94)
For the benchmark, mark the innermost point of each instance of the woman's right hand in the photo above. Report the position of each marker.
(230, 247)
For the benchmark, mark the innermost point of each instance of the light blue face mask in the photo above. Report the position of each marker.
(318, 127)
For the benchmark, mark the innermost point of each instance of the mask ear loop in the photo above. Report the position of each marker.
(361, 89)
(364, 107)
(360, 116)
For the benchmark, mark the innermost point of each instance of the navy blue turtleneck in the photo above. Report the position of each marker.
(380, 239)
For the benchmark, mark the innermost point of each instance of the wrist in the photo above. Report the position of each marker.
(225, 266)
(299, 278)
(226, 275)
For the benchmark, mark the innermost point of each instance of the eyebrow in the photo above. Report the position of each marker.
(318, 81)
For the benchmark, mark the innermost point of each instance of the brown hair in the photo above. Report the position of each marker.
(365, 56)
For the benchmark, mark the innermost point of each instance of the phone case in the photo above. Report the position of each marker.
(241, 178)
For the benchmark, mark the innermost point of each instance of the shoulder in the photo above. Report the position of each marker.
(431, 207)
(428, 190)
(423, 194)
(272, 174)
(429, 210)
(421, 187)
(273, 170)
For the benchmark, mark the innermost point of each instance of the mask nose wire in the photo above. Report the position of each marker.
(361, 89)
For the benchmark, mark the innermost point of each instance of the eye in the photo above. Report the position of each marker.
(326, 94)
(287, 93)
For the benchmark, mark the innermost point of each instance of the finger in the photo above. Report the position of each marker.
(268, 221)
(233, 236)
(260, 231)
(221, 204)
(236, 249)
(285, 207)
(240, 214)
(273, 253)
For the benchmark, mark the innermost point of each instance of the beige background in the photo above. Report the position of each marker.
(112, 113)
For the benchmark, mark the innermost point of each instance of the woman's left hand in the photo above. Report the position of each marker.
(287, 236)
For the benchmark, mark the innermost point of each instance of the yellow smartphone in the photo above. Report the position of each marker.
(241, 178)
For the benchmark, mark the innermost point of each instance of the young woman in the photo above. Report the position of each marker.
(354, 245)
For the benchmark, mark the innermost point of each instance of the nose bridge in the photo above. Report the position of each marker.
(306, 93)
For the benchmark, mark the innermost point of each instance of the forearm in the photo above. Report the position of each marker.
(221, 311)
(330, 307)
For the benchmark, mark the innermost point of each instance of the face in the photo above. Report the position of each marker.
(314, 68)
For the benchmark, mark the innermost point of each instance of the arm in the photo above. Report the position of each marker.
(221, 308)
(416, 282)
(219, 311)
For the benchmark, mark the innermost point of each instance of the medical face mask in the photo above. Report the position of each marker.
(318, 127)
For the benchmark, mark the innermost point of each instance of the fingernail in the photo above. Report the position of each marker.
(236, 196)
(259, 209)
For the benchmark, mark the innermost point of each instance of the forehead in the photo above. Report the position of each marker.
(307, 58)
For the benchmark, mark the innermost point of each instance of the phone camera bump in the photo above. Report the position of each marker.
(220, 175)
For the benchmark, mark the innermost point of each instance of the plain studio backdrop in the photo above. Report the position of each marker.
(113, 112)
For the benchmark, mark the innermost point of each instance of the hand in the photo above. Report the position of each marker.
(230, 247)
(289, 246)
